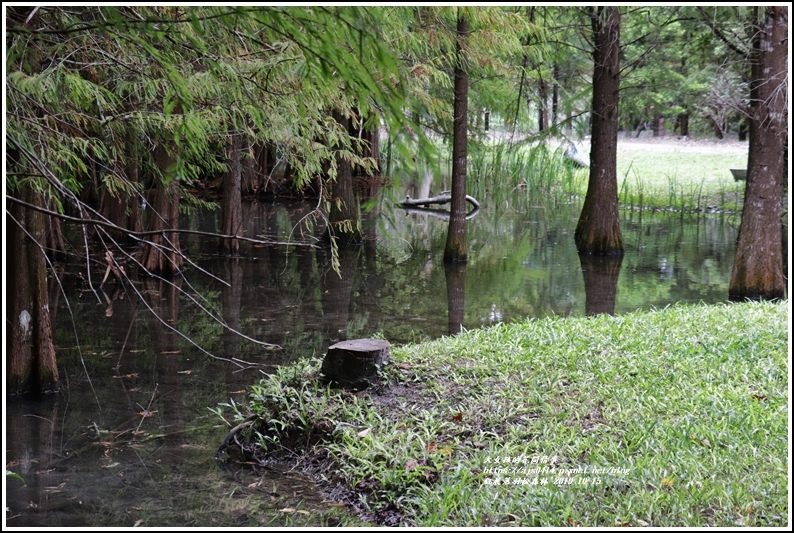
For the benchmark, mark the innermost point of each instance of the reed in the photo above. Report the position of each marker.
(525, 174)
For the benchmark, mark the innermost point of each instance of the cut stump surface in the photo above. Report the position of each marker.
(355, 363)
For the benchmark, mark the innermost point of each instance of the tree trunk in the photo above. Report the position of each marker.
(135, 218)
(56, 246)
(657, 125)
(455, 249)
(641, 126)
(758, 267)
(344, 224)
(162, 254)
(543, 98)
(719, 129)
(373, 135)
(456, 296)
(232, 206)
(682, 124)
(355, 363)
(598, 229)
(30, 359)
(555, 95)
(123, 209)
(257, 169)
(742, 134)
(112, 206)
(369, 148)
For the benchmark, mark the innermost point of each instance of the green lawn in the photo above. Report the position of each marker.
(671, 418)
(681, 175)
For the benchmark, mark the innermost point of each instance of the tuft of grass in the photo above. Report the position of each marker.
(670, 418)
(524, 174)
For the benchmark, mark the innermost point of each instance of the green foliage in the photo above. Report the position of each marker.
(291, 409)
(14, 475)
(92, 89)
(424, 38)
(117, 82)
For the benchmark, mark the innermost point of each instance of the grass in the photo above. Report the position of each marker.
(686, 178)
(679, 176)
(670, 418)
(524, 174)
(671, 175)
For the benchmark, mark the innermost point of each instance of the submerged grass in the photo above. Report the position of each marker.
(676, 417)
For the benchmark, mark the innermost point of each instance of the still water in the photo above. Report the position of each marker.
(129, 438)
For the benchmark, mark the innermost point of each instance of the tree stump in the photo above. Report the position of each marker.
(355, 363)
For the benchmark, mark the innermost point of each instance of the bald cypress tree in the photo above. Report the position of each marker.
(758, 267)
(455, 249)
(598, 229)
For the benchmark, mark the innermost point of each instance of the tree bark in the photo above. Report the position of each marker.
(373, 135)
(162, 254)
(598, 229)
(344, 223)
(657, 126)
(56, 245)
(369, 148)
(121, 208)
(30, 362)
(543, 98)
(355, 363)
(555, 95)
(456, 296)
(742, 133)
(132, 172)
(232, 205)
(758, 267)
(682, 123)
(455, 249)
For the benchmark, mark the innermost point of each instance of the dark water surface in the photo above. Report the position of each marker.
(129, 439)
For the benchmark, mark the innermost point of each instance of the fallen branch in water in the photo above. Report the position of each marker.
(415, 205)
(443, 198)
(438, 213)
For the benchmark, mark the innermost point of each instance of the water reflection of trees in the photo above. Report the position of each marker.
(456, 296)
(670, 258)
(600, 274)
(521, 264)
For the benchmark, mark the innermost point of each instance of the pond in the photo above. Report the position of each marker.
(129, 439)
